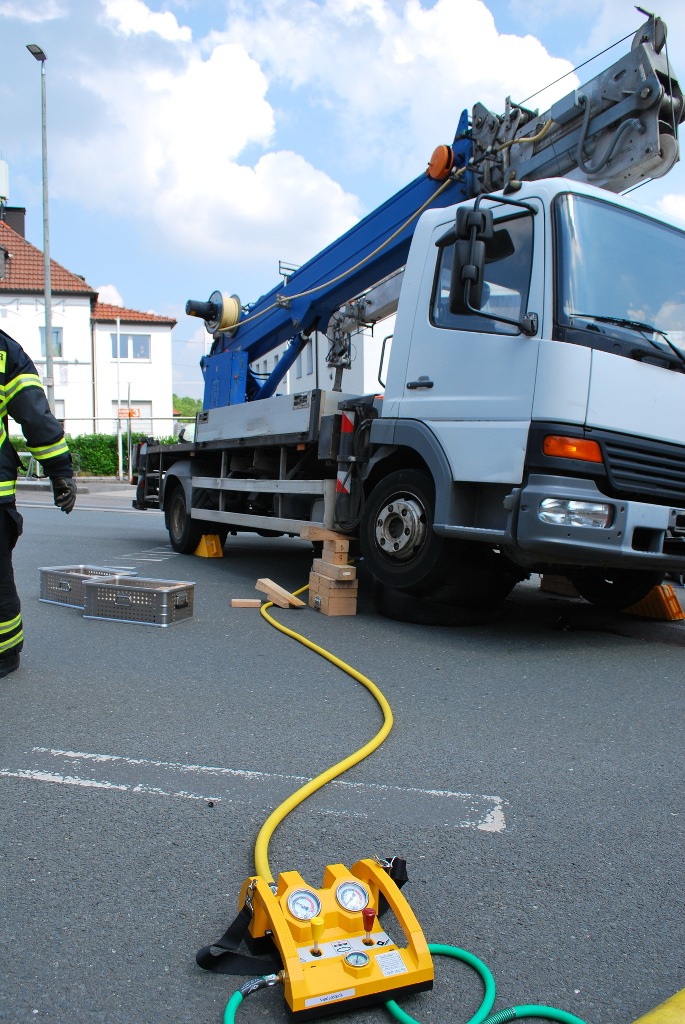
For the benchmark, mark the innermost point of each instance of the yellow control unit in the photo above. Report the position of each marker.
(334, 950)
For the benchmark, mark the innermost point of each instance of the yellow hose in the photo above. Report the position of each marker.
(299, 796)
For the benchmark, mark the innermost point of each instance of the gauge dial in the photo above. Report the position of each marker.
(357, 959)
(352, 896)
(304, 904)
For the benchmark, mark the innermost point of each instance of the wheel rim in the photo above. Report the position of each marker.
(178, 517)
(401, 528)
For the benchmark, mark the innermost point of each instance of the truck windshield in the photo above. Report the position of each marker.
(619, 275)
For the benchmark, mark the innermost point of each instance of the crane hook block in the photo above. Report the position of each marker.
(334, 951)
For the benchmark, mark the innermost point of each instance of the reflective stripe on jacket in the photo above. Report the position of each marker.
(22, 397)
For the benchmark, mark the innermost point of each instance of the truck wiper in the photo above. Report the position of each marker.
(635, 325)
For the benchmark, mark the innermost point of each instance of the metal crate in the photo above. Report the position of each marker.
(63, 584)
(150, 602)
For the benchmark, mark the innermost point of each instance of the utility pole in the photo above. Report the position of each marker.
(49, 347)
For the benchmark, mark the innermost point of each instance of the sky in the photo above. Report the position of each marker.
(192, 144)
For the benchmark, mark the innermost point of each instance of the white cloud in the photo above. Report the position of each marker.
(133, 17)
(168, 148)
(36, 11)
(109, 294)
(393, 77)
(673, 205)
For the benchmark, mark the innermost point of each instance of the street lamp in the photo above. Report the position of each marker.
(49, 348)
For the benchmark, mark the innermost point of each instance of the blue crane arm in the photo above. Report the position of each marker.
(360, 258)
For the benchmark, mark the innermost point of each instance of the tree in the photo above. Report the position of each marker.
(187, 406)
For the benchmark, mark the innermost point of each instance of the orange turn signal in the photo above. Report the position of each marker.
(572, 448)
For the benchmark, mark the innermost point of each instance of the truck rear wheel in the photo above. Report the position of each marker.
(184, 533)
(614, 589)
(396, 535)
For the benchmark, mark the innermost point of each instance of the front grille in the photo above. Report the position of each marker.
(644, 469)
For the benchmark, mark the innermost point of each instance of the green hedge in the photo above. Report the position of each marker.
(95, 454)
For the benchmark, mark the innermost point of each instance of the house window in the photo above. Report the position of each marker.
(131, 346)
(56, 342)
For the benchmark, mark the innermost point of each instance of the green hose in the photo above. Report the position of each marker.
(232, 1007)
(519, 1012)
(479, 1017)
(459, 954)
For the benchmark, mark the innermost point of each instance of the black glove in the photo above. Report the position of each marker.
(64, 490)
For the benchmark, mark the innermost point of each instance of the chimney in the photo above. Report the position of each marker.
(15, 218)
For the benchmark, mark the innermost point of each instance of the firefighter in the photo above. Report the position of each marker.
(22, 397)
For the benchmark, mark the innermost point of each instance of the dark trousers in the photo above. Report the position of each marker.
(11, 634)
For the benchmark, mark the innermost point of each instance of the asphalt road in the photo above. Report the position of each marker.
(533, 781)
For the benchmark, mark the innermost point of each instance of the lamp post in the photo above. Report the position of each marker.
(49, 348)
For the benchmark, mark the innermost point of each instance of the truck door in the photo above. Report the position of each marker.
(469, 378)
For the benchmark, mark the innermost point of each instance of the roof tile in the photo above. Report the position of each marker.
(24, 270)
(104, 312)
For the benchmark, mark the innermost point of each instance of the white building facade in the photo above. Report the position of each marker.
(133, 371)
(109, 363)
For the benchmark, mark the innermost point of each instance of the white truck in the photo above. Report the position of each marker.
(533, 416)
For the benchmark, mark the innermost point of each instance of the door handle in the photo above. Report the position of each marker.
(422, 382)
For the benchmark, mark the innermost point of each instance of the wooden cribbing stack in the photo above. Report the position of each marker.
(333, 583)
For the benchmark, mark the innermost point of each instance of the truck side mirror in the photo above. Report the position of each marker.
(473, 228)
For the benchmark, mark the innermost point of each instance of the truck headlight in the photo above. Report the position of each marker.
(567, 512)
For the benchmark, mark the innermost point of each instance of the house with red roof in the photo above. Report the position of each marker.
(109, 363)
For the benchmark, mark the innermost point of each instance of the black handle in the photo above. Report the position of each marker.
(422, 382)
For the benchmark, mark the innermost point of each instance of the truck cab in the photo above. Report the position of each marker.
(551, 417)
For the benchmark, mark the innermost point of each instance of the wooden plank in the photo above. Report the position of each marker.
(279, 595)
(246, 602)
(310, 532)
(335, 572)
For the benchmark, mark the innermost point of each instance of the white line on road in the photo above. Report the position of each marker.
(409, 804)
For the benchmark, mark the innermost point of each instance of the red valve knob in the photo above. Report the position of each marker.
(369, 916)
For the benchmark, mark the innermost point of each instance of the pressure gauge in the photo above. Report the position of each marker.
(357, 959)
(352, 896)
(304, 904)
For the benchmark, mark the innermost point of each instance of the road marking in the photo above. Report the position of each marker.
(158, 554)
(22, 503)
(440, 808)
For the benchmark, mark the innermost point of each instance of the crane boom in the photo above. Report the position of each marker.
(618, 129)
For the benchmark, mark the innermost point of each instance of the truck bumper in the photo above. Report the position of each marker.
(639, 535)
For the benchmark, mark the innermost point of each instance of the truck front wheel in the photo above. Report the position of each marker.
(184, 533)
(396, 535)
(614, 589)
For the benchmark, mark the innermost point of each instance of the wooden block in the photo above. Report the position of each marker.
(310, 532)
(336, 547)
(329, 605)
(246, 602)
(325, 585)
(558, 585)
(335, 572)
(335, 557)
(279, 595)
